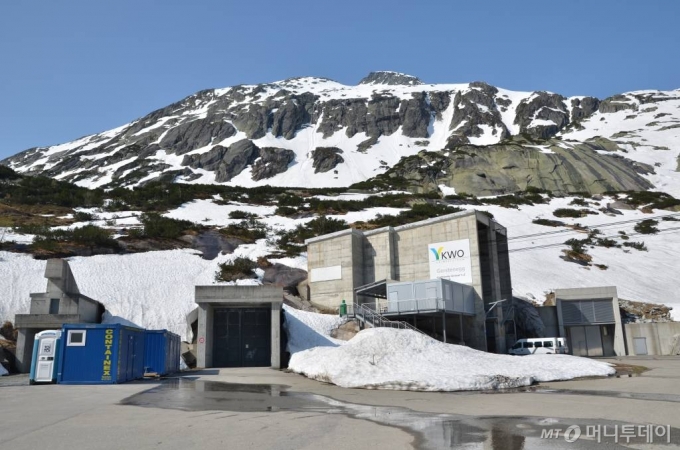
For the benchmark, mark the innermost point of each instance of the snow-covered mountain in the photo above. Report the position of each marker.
(391, 131)
(316, 132)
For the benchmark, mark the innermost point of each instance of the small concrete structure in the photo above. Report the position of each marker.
(239, 326)
(590, 320)
(466, 247)
(653, 338)
(61, 303)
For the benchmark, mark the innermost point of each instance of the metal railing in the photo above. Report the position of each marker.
(369, 315)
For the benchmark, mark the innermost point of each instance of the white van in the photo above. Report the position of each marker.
(540, 346)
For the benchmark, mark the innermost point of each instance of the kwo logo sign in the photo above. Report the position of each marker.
(451, 260)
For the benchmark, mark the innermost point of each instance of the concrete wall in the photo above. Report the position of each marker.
(210, 297)
(592, 293)
(378, 255)
(73, 308)
(662, 338)
(24, 350)
(548, 315)
(89, 310)
(344, 249)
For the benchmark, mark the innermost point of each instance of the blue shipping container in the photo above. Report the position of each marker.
(161, 352)
(100, 354)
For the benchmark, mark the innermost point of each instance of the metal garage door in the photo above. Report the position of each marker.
(241, 337)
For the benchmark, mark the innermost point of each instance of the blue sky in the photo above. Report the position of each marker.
(73, 68)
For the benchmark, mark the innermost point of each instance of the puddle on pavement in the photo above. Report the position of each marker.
(674, 398)
(431, 431)
(614, 394)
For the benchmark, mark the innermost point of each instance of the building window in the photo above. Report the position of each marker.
(54, 306)
(76, 338)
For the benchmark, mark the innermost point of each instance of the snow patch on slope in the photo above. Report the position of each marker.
(308, 330)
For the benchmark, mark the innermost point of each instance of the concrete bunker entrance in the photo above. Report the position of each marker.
(238, 326)
(242, 337)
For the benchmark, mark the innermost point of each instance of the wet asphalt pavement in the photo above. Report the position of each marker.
(430, 431)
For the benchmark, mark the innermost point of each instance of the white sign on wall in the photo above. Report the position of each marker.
(325, 274)
(451, 260)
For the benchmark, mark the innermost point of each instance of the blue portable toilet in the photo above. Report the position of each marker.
(100, 354)
(161, 352)
(45, 357)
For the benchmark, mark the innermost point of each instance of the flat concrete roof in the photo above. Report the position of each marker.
(239, 294)
(408, 226)
(585, 293)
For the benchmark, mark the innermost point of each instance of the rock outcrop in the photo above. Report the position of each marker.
(474, 108)
(506, 168)
(272, 161)
(195, 134)
(326, 159)
(390, 79)
(542, 115)
(226, 162)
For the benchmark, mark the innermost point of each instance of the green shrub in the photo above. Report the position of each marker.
(636, 245)
(116, 205)
(569, 212)
(157, 226)
(577, 251)
(237, 214)
(40, 190)
(577, 245)
(82, 216)
(286, 211)
(89, 235)
(548, 222)
(290, 200)
(238, 269)
(654, 200)
(578, 202)
(7, 173)
(606, 242)
(292, 242)
(647, 226)
(248, 231)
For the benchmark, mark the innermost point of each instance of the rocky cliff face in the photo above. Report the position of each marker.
(294, 132)
(515, 166)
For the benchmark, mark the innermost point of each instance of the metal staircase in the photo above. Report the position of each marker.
(375, 319)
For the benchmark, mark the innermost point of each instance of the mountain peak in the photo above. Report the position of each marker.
(390, 78)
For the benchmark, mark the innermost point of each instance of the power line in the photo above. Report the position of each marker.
(559, 244)
(601, 225)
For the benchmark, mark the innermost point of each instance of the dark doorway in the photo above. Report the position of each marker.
(491, 336)
(241, 337)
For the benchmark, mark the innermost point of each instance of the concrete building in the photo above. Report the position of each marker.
(590, 320)
(653, 338)
(468, 248)
(239, 326)
(61, 303)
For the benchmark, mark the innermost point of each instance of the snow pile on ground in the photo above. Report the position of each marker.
(383, 358)
(308, 330)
